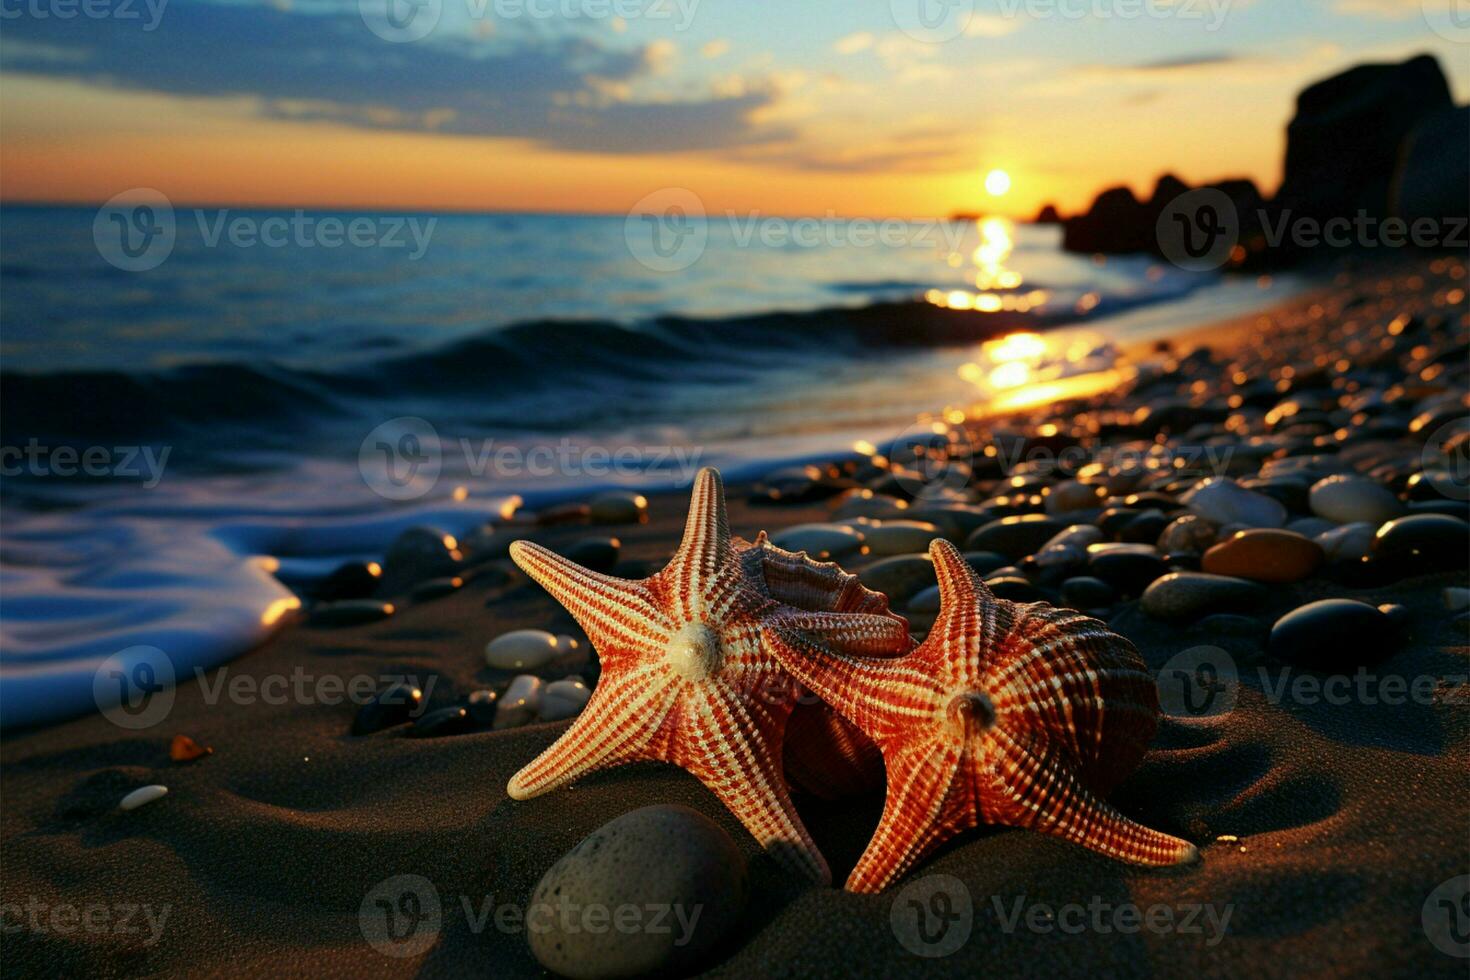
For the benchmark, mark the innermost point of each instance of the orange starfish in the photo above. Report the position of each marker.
(1009, 713)
(685, 677)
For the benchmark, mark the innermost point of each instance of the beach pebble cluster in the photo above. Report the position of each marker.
(1331, 444)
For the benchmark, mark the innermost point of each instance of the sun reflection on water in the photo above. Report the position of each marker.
(996, 287)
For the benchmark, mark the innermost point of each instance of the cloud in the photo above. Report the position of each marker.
(854, 43)
(567, 92)
(715, 48)
(1184, 62)
(990, 25)
(1380, 9)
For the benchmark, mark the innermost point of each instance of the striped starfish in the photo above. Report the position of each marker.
(685, 677)
(1016, 714)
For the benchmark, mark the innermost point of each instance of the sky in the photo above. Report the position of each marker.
(884, 108)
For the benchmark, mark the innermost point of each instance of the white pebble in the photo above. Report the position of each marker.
(522, 650)
(144, 794)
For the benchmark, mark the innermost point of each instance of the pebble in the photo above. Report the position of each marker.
(1347, 542)
(1076, 536)
(1144, 528)
(1015, 537)
(353, 580)
(563, 699)
(1183, 595)
(665, 858)
(618, 507)
(394, 705)
(1071, 495)
(1311, 527)
(924, 601)
(521, 650)
(984, 562)
(1424, 542)
(436, 588)
(1456, 599)
(1220, 500)
(1127, 568)
(419, 553)
(900, 537)
(445, 721)
(350, 612)
(824, 542)
(1264, 555)
(866, 503)
(481, 706)
(1086, 592)
(520, 703)
(1349, 499)
(1014, 588)
(900, 576)
(142, 795)
(1334, 635)
(1187, 533)
(571, 653)
(598, 554)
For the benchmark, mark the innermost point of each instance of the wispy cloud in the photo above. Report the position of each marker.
(569, 92)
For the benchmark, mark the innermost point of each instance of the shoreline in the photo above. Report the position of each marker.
(267, 848)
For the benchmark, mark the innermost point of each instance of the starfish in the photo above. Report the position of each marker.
(1016, 714)
(685, 676)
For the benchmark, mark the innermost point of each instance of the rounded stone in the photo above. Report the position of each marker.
(1264, 555)
(394, 705)
(1015, 537)
(564, 699)
(1189, 532)
(661, 860)
(481, 707)
(350, 612)
(454, 720)
(1348, 499)
(1183, 595)
(900, 576)
(436, 588)
(1071, 495)
(618, 507)
(521, 650)
(924, 601)
(900, 537)
(1220, 500)
(1086, 592)
(824, 542)
(1127, 568)
(352, 580)
(417, 554)
(1347, 542)
(1014, 588)
(520, 703)
(1424, 542)
(1334, 635)
(598, 554)
(985, 562)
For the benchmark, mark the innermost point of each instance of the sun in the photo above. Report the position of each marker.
(997, 182)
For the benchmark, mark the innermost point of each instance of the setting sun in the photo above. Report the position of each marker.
(997, 182)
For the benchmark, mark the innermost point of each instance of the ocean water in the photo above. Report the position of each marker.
(187, 445)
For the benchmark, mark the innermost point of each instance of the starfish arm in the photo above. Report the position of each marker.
(617, 614)
(730, 749)
(1044, 795)
(879, 696)
(705, 549)
(918, 815)
(850, 633)
(624, 713)
(970, 617)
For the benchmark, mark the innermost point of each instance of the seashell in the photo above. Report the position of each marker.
(1017, 714)
(825, 754)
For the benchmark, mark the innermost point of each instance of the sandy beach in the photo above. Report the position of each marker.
(1327, 812)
